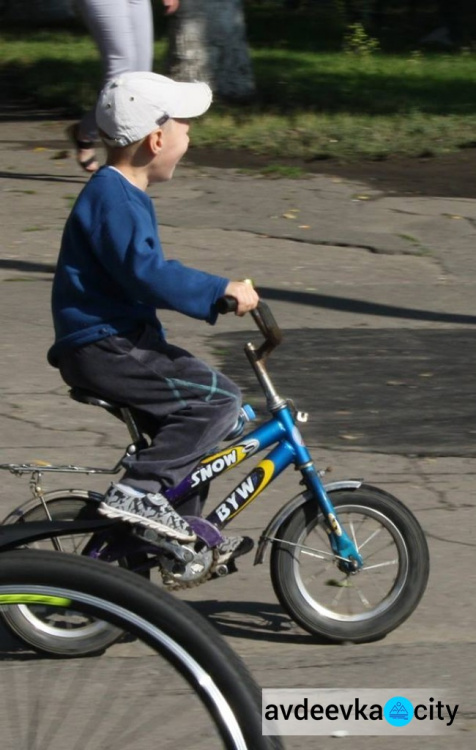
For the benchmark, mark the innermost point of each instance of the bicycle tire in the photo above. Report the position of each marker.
(173, 629)
(53, 635)
(300, 568)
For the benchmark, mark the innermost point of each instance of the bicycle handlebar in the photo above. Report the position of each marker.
(226, 305)
(264, 320)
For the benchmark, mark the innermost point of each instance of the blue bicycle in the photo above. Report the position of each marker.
(349, 562)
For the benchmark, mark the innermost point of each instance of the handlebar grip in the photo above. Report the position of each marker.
(226, 305)
(265, 321)
(263, 318)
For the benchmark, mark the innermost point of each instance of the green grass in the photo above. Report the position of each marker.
(310, 105)
(325, 105)
(275, 171)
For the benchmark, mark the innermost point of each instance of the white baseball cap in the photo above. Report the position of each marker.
(135, 104)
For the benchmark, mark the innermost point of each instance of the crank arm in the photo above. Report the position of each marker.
(160, 544)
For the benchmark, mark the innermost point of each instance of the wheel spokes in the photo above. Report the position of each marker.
(354, 595)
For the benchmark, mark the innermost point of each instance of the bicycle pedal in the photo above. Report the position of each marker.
(224, 569)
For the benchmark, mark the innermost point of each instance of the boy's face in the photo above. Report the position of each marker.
(174, 145)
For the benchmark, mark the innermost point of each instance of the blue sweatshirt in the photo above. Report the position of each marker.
(111, 274)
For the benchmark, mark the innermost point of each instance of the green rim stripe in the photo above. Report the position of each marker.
(54, 601)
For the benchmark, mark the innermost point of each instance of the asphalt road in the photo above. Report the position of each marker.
(375, 294)
(399, 391)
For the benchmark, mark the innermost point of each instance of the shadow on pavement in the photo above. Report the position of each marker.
(344, 304)
(252, 620)
(399, 391)
(41, 177)
(27, 266)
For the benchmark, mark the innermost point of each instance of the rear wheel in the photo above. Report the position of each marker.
(61, 632)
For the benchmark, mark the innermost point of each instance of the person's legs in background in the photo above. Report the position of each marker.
(124, 34)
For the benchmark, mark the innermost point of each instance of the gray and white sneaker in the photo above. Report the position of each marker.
(232, 547)
(150, 509)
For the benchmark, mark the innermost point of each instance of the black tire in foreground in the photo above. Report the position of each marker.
(175, 679)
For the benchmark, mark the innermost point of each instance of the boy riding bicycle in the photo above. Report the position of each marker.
(111, 278)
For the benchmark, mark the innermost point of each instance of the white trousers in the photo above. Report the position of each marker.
(124, 33)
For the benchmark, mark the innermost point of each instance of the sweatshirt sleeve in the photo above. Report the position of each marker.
(127, 244)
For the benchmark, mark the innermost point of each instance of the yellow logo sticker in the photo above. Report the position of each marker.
(212, 466)
(247, 490)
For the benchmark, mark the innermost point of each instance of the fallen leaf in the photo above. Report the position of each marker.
(344, 583)
(61, 155)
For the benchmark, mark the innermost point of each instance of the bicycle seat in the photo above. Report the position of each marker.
(88, 397)
(120, 411)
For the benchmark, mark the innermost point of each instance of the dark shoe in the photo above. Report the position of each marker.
(89, 164)
(152, 510)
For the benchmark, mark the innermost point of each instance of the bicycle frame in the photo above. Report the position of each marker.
(280, 431)
(290, 449)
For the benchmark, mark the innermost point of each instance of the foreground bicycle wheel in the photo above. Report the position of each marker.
(175, 683)
(377, 598)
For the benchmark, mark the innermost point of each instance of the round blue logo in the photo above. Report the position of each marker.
(398, 711)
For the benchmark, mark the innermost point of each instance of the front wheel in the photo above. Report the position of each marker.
(361, 606)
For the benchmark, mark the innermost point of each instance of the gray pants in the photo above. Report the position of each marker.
(124, 33)
(183, 405)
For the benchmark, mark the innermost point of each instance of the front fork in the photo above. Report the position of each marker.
(348, 557)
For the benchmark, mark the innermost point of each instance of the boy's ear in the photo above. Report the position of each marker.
(155, 140)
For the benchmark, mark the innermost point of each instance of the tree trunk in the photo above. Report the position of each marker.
(207, 42)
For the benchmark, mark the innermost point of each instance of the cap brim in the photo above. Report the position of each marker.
(193, 99)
